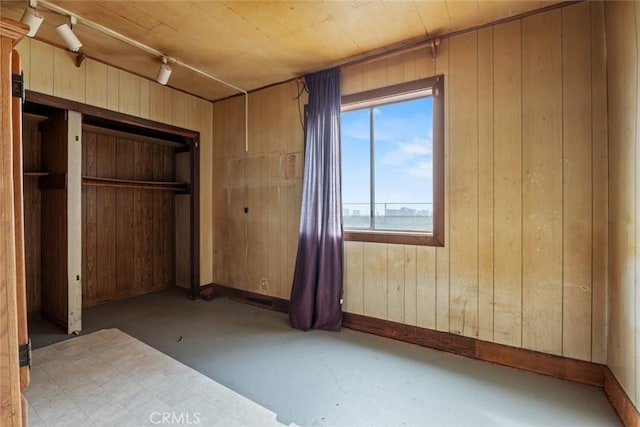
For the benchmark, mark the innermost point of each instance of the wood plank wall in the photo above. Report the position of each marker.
(623, 69)
(52, 71)
(32, 228)
(128, 234)
(54, 225)
(525, 193)
(523, 223)
(257, 250)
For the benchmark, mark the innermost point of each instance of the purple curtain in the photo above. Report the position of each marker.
(317, 281)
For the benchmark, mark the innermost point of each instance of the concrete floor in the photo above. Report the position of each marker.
(339, 379)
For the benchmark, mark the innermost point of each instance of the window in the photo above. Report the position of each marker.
(393, 164)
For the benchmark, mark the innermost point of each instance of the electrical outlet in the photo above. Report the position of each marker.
(264, 284)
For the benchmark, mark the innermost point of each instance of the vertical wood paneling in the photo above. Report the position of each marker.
(156, 102)
(191, 112)
(410, 284)
(113, 88)
(395, 70)
(206, 190)
(257, 226)
(474, 284)
(218, 191)
(181, 215)
(168, 105)
(179, 109)
(144, 98)
(351, 79)
(261, 244)
(375, 280)
(97, 84)
(577, 223)
(374, 75)
(426, 288)
(542, 214)
(125, 215)
(354, 277)
(90, 220)
(129, 93)
(636, 218)
(622, 90)
(32, 214)
(410, 64)
(169, 264)
(68, 80)
(425, 64)
(232, 195)
(106, 216)
(54, 226)
(41, 68)
(507, 71)
(256, 177)
(395, 283)
(442, 254)
(600, 186)
(128, 233)
(463, 185)
(485, 184)
(144, 212)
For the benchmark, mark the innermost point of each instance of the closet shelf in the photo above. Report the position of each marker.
(93, 181)
(35, 173)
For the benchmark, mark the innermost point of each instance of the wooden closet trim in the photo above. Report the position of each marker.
(102, 113)
(127, 135)
(145, 127)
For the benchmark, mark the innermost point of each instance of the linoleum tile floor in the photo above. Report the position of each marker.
(321, 378)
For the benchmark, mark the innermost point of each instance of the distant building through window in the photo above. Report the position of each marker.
(392, 163)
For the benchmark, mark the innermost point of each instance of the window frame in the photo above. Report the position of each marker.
(384, 95)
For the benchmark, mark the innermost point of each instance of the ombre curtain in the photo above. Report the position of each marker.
(317, 281)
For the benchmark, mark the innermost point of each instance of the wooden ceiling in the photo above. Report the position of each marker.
(252, 44)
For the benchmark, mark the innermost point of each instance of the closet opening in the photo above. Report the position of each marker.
(111, 206)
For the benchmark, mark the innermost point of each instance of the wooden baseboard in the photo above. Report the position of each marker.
(214, 290)
(574, 370)
(541, 363)
(620, 401)
(556, 366)
(128, 293)
(399, 331)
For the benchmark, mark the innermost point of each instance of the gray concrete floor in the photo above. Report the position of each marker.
(339, 379)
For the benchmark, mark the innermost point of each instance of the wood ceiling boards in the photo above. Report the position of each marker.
(252, 44)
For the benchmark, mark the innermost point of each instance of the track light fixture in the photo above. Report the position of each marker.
(32, 17)
(66, 32)
(164, 72)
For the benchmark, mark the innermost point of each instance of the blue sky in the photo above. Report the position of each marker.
(403, 153)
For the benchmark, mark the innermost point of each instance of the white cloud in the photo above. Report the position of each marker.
(404, 153)
(422, 170)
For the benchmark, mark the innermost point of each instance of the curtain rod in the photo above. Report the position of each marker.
(422, 42)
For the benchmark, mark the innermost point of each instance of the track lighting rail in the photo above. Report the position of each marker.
(165, 70)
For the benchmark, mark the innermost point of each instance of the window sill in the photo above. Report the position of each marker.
(400, 238)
